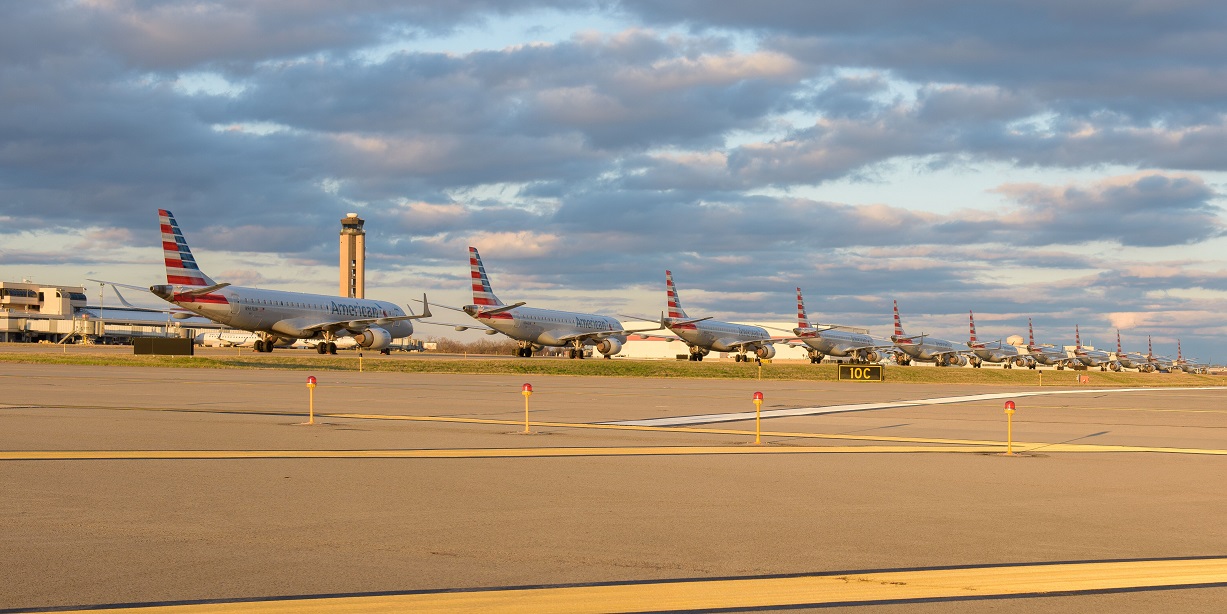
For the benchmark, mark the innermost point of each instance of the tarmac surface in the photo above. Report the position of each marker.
(200, 490)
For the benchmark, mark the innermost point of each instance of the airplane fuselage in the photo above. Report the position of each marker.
(840, 343)
(548, 327)
(997, 353)
(284, 314)
(929, 349)
(716, 336)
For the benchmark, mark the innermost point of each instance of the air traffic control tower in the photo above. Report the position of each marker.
(353, 257)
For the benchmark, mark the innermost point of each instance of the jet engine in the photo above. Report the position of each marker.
(869, 356)
(609, 346)
(766, 352)
(374, 338)
(1024, 362)
(956, 360)
(1114, 365)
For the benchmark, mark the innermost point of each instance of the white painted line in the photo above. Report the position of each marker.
(836, 409)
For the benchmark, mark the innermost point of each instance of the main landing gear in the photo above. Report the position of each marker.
(264, 345)
(326, 347)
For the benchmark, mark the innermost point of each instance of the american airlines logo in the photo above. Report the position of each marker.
(361, 311)
(591, 323)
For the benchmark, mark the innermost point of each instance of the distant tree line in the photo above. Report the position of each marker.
(491, 345)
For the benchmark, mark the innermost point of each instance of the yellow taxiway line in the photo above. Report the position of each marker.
(52, 455)
(851, 588)
(45, 455)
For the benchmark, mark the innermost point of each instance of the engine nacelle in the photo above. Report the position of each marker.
(1024, 362)
(1115, 366)
(956, 360)
(609, 346)
(766, 352)
(374, 338)
(870, 355)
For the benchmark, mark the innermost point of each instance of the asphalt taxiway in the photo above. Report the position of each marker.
(199, 490)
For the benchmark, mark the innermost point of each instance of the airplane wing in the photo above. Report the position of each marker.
(363, 323)
(130, 307)
(601, 334)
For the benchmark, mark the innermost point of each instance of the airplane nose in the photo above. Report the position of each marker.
(163, 291)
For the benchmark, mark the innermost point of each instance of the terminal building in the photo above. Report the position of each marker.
(33, 312)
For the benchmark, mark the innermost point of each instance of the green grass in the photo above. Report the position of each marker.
(609, 368)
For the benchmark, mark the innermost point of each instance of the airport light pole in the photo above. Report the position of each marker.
(758, 417)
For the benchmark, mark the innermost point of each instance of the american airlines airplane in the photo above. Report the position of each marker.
(1159, 363)
(1132, 360)
(276, 316)
(924, 348)
(534, 327)
(1047, 354)
(1090, 357)
(705, 335)
(861, 347)
(996, 351)
(244, 339)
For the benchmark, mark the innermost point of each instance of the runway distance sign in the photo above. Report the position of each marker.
(860, 373)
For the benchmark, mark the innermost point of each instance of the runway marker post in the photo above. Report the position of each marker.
(311, 399)
(758, 417)
(1009, 428)
(527, 391)
(359, 362)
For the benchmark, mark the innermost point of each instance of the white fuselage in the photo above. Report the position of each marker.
(1048, 355)
(839, 342)
(548, 327)
(286, 314)
(928, 349)
(998, 353)
(716, 336)
(1131, 360)
(1092, 357)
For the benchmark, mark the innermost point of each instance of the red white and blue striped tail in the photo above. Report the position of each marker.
(675, 304)
(898, 324)
(802, 319)
(971, 317)
(482, 294)
(181, 269)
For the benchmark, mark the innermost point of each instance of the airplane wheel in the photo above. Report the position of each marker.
(698, 357)
(258, 346)
(332, 348)
(321, 348)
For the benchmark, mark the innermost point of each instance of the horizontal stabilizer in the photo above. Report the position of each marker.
(205, 290)
(501, 309)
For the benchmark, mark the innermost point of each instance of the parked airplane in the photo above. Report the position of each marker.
(1187, 365)
(1090, 357)
(244, 339)
(1161, 364)
(1047, 354)
(705, 335)
(1132, 360)
(927, 349)
(860, 347)
(534, 327)
(996, 351)
(275, 315)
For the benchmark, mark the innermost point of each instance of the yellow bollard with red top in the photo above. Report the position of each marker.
(311, 401)
(758, 417)
(527, 391)
(1009, 429)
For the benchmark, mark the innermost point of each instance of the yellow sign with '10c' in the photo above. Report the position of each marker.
(860, 373)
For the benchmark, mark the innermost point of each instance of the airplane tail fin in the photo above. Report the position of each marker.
(898, 324)
(1077, 338)
(1150, 350)
(1118, 350)
(675, 304)
(482, 294)
(971, 317)
(1030, 334)
(802, 319)
(181, 269)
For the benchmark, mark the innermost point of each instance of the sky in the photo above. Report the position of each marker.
(1046, 159)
